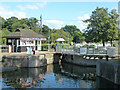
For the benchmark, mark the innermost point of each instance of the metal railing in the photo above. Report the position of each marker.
(81, 50)
(4, 48)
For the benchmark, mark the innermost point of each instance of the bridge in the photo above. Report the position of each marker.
(88, 53)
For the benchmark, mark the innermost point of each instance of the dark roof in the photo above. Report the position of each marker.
(23, 33)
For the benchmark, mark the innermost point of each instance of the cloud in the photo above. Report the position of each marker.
(32, 6)
(115, 8)
(7, 13)
(53, 23)
(83, 25)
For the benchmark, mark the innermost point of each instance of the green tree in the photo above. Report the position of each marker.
(32, 22)
(2, 21)
(60, 34)
(76, 34)
(113, 26)
(99, 25)
(19, 25)
(78, 37)
(45, 30)
(70, 28)
(9, 22)
(4, 32)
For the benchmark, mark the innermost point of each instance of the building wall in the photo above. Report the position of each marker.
(21, 45)
(27, 43)
(33, 44)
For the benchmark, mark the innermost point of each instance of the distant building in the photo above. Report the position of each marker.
(23, 38)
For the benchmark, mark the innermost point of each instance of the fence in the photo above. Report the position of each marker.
(4, 48)
(82, 50)
(111, 51)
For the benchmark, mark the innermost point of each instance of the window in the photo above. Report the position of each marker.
(9, 40)
(23, 42)
(18, 42)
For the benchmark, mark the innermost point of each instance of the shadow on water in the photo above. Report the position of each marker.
(54, 76)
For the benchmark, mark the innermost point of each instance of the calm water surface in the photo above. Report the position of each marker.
(54, 76)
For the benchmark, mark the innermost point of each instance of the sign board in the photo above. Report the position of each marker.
(33, 39)
(83, 50)
(111, 52)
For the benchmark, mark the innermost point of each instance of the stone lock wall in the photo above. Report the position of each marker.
(29, 60)
(78, 59)
(108, 70)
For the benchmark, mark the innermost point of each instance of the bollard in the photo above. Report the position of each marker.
(107, 57)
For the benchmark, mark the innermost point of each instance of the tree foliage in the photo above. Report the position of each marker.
(102, 26)
(75, 33)
(113, 26)
(45, 30)
(69, 32)
(59, 34)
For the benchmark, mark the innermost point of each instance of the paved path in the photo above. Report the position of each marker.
(25, 53)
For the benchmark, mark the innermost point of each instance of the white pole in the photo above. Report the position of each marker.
(40, 45)
(9, 48)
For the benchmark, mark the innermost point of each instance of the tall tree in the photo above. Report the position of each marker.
(32, 22)
(113, 26)
(75, 33)
(70, 28)
(19, 25)
(2, 21)
(78, 37)
(60, 34)
(45, 30)
(9, 22)
(99, 25)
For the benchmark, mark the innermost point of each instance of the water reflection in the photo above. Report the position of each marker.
(24, 77)
(54, 76)
(0, 74)
(0, 81)
(76, 75)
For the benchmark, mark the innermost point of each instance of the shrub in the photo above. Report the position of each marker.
(2, 60)
(91, 46)
(115, 45)
(86, 45)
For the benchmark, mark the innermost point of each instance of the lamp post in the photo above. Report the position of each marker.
(49, 41)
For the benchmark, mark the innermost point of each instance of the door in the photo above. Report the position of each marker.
(35, 44)
(15, 45)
